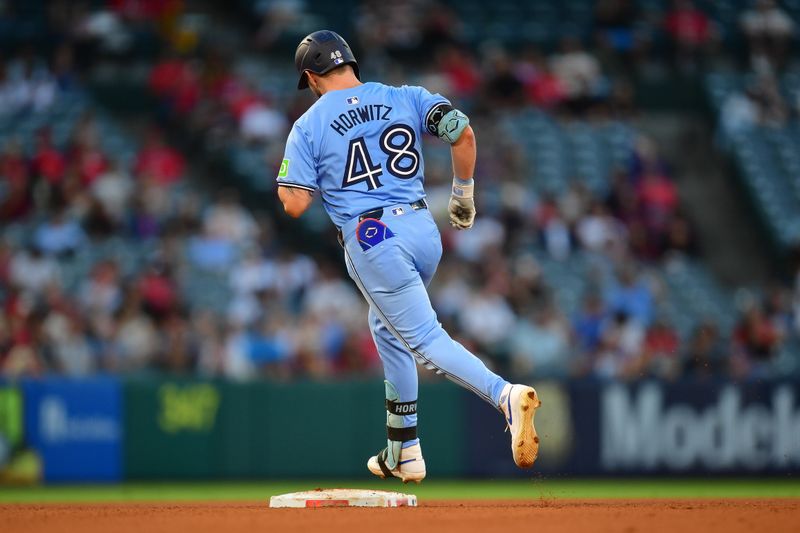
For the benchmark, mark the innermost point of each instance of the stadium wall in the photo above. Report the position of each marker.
(109, 430)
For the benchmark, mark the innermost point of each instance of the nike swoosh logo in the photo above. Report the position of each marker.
(406, 461)
(509, 416)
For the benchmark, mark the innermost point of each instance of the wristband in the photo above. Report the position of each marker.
(463, 188)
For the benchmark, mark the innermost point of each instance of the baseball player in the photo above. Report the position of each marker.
(359, 147)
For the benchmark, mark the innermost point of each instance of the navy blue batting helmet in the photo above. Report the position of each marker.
(320, 52)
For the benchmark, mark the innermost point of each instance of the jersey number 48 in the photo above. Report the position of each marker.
(397, 142)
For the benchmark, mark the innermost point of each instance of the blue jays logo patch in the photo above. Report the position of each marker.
(371, 232)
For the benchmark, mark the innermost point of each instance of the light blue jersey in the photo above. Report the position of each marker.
(361, 148)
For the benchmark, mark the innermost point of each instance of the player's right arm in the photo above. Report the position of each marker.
(297, 178)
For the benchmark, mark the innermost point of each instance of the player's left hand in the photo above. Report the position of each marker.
(462, 204)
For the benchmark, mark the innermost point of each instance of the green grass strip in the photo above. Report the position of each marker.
(430, 489)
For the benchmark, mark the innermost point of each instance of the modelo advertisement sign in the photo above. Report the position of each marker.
(75, 426)
(591, 428)
(742, 428)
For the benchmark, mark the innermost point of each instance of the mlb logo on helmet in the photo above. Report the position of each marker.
(337, 57)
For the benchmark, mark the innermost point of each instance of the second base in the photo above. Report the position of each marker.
(343, 498)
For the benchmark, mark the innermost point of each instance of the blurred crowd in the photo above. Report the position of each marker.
(194, 282)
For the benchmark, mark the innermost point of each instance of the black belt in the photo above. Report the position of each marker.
(378, 213)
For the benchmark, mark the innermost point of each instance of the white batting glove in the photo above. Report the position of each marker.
(462, 204)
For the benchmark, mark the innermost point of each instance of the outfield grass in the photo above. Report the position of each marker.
(431, 489)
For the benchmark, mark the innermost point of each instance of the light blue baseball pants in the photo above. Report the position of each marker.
(393, 276)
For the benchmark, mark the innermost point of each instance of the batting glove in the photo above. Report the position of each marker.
(462, 204)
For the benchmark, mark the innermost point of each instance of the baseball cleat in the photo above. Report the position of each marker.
(519, 404)
(410, 467)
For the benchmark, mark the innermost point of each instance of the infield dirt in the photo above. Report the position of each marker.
(541, 516)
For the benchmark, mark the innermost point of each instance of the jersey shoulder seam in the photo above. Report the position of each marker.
(293, 185)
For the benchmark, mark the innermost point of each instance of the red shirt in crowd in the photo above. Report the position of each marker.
(50, 164)
(545, 90)
(688, 25)
(161, 163)
(14, 169)
(176, 81)
(661, 340)
(158, 292)
(165, 76)
(657, 192)
(91, 162)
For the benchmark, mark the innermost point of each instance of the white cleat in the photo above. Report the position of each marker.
(519, 404)
(411, 466)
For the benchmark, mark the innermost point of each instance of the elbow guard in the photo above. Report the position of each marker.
(446, 122)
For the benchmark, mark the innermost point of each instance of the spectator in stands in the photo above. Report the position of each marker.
(661, 351)
(756, 342)
(330, 296)
(588, 324)
(269, 346)
(85, 154)
(440, 26)
(158, 291)
(135, 338)
(580, 75)
(769, 32)
(48, 163)
(542, 87)
(705, 356)
(72, 353)
(101, 293)
(178, 349)
(21, 355)
(207, 329)
(502, 86)
(658, 198)
(452, 289)
(631, 294)
(459, 69)
(31, 271)
(15, 186)
(645, 158)
(260, 123)
(279, 19)
(614, 22)
(692, 33)
(25, 85)
(486, 234)
(598, 231)
(63, 68)
(6, 257)
(209, 252)
(158, 162)
(226, 219)
(253, 273)
(620, 347)
(113, 189)
(294, 274)
(772, 108)
(487, 318)
(557, 238)
(539, 344)
(680, 238)
(60, 235)
(393, 28)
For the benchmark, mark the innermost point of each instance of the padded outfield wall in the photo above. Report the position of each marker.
(105, 429)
